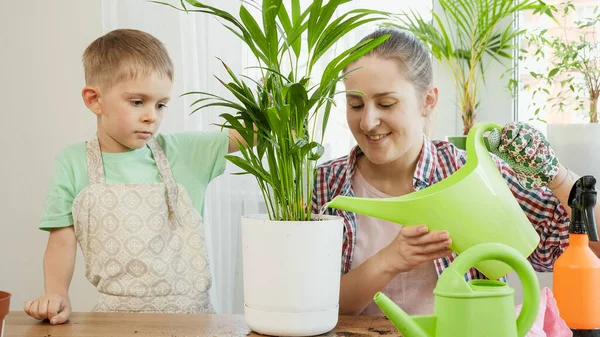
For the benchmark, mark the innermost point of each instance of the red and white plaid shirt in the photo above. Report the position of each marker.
(438, 160)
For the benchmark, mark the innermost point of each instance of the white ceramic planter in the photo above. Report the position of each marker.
(291, 274)
(577, 146)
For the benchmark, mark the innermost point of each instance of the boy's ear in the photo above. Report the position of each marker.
(91, 98)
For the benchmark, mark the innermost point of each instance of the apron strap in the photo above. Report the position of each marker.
(94, 161)
(96, 171)
(164, 169)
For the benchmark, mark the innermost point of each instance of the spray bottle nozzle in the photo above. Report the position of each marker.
(588, 183)
(582, 200)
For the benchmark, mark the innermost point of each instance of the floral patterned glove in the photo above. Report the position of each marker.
(527, 152)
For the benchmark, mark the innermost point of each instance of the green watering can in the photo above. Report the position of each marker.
(478, 308)
(473, 204)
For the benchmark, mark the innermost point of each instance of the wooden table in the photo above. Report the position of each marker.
(169, 325)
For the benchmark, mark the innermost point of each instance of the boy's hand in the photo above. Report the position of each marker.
(55, 308)
(234, 135)
(527, 152)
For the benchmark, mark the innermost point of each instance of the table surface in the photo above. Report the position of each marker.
(173, 325)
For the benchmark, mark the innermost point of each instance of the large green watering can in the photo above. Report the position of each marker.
(478, 308)
(473, 204)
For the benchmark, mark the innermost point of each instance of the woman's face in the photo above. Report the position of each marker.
(388, 117)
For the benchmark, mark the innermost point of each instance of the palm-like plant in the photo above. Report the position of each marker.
(284, 110)
(465, 32)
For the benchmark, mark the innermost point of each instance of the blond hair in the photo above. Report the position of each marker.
(125, 54)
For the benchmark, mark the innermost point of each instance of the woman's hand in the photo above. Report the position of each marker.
(527, 151)
(415, 245)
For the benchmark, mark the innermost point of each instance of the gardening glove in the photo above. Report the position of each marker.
(527, 152)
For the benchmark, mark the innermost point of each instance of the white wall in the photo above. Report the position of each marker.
(41, 79)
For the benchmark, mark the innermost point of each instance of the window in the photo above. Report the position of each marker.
(529, 100)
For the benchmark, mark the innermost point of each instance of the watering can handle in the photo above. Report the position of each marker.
(496, 251)
(475, 141)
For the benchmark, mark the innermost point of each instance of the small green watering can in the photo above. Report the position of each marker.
(474, 205)
(478, 308)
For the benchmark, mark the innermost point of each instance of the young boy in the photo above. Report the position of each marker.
(133, 199)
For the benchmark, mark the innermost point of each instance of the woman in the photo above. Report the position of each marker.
(394, 157)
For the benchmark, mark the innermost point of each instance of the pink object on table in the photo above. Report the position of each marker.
(548, 322)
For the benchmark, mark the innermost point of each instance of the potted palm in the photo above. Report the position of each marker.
(466, 36)
(569, 87)
(291, 258)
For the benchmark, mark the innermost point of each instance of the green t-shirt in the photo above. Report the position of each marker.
(195, 158)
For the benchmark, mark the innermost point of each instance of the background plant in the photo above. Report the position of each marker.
(466, 37)
(572, 80)
(285, 108)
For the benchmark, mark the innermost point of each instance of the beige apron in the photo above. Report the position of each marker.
(143, 243)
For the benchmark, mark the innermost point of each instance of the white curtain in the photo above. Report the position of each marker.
(194, 41)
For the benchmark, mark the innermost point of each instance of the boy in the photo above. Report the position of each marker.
(131, 199)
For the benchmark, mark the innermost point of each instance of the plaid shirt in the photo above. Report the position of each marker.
(438, 160)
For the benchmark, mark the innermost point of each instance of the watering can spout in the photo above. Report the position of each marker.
(417, 326)
(345, 204)
(386, 209)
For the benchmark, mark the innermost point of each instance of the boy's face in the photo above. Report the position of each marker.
(130, 112)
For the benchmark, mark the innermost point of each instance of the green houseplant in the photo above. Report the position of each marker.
(291, 265)
(466, 36)
(572, 52)
(285, 108)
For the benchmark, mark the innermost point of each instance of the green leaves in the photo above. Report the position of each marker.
(463, 32)
(253, 29)
(281, 111)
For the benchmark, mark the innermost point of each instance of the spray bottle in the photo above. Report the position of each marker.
(577, 271)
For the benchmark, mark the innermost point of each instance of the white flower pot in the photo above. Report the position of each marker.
(292, 274)
(577, 146)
